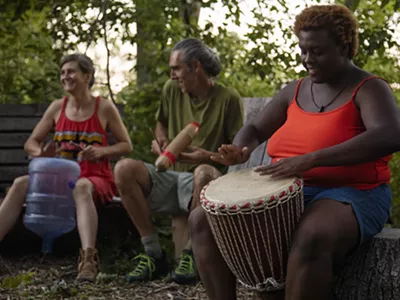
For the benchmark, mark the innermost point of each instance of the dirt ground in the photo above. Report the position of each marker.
(38, 277)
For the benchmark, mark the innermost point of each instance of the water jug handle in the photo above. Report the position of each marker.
(71, 184)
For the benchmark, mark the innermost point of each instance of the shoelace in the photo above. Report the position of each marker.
(145, 261)
(185, 264)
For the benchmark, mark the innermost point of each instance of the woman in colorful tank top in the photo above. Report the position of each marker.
(80, 121)
(337, 128)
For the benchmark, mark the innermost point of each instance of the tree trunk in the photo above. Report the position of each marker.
(141, 58)
(373, 273)
(352, 4)
(189, 13)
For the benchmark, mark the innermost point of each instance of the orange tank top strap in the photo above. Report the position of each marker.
(296, 91)
(362, 83)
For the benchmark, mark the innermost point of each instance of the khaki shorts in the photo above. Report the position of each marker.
(172, 191)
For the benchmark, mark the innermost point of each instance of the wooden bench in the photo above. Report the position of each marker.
(16, 124)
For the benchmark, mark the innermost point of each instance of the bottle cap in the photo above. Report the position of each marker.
(71, 184)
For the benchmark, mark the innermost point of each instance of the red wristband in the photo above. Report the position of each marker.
(170, 156)
(196, 124)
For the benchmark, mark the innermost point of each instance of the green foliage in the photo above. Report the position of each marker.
(15, 281)
(141, 104)
(28, 71)
(378, 50)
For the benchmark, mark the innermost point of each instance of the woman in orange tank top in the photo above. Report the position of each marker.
(337, 128)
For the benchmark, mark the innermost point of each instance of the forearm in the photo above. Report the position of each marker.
(119, 149)
(161, 132)
(368, 146)
(247, 137)
(32, 147)
(206, 159)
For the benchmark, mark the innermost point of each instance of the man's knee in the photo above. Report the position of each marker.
(128, 170)
(205, 172)
(203, 175)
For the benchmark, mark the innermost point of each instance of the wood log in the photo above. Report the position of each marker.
(374, 271)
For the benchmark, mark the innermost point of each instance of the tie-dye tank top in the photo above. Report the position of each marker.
(84, 133)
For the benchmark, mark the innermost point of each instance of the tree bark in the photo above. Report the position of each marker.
(373, 273)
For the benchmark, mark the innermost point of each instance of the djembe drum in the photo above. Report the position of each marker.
(252, 218)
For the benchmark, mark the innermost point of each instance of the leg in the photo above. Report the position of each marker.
(327, 231)
(180, 234)
(135, 180)
(86, 214)
(134, 185)
(87, 222)
(217, 279)
(190, 197)
(11, 206)
(203, 174)
(189, 189)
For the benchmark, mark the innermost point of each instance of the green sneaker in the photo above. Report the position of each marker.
(186, 271)
(148, 268)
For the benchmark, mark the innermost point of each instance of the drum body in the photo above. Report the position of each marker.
(252, 218)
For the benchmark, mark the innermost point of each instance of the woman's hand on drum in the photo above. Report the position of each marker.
(288, 167)
(229, 155)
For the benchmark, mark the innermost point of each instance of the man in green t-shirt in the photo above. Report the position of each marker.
(191, 95)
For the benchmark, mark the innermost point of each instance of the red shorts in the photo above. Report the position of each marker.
(104, 189)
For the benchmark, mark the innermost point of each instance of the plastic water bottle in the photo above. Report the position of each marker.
(50, 207)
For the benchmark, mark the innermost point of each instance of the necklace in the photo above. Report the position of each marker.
(322, 107)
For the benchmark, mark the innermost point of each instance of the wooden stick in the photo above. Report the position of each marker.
(155, 137)
(76, 145)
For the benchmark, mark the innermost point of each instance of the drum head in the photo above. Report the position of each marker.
(247, 186)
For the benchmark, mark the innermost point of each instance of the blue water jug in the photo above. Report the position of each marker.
(50, 207)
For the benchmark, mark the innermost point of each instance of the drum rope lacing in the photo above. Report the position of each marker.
(251, 249)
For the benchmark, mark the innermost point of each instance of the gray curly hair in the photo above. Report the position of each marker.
(193, 49)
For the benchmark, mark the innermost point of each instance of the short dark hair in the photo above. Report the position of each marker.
(337, 19)
(194, 49)
(84, 62)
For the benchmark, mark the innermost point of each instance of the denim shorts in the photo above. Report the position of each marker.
(371, 207)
